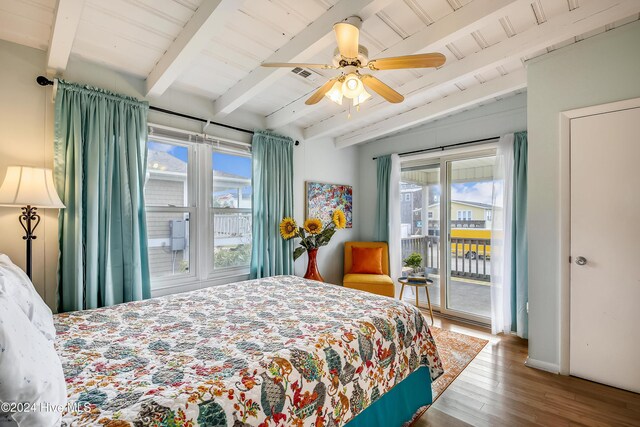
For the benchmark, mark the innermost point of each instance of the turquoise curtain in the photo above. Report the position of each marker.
(519, 254)
(383, 164)
(99, 168)
(272, 200)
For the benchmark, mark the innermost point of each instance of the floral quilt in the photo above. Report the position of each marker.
(280, 351)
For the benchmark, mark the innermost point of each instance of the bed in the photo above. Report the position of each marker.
(267, 352)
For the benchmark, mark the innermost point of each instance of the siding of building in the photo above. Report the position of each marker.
(163, 261)
(163, 192)
(477, 213)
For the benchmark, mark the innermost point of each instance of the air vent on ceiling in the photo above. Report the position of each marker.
(306, 74)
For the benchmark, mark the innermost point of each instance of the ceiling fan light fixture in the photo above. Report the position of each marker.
(335, 93)
(352, 87)
(348, 58)
(361, 98)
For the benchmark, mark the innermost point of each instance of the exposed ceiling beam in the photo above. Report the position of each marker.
(208, 20)
(591, 15)
(441, 107)
(63, 32)
(464, 21)
(314, 38)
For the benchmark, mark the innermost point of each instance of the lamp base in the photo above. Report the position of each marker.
(29, 220)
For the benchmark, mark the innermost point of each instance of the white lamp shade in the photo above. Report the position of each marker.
(24, 186)
(352, 86)
(361, 98)
(335, 93)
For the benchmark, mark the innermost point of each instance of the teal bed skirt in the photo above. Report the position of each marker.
(399, 404)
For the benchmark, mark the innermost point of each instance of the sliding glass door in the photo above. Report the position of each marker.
(446, 211)
(469, 206)
(420, 194)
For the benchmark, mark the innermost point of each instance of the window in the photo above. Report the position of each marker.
(487, 215)
(231, 210)
(168, 201)
(198, 201)
(464, 215)
(430, 215)
(407, 197)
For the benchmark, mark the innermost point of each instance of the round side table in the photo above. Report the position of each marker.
(404, 281)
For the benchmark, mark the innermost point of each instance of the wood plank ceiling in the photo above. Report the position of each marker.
(214, 48)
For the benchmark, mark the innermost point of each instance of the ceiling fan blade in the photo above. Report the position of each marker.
(317, 96)
(381, 89)
(347, 36)
(425, 60)
(297, 64)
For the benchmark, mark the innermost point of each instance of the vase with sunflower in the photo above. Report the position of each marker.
(313, 234)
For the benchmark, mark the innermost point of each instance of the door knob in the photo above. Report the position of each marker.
(581, 260)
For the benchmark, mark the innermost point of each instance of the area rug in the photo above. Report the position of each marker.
(456, 352)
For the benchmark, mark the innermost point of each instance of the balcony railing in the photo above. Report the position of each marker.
(470, 258)
(434, 224)
(232, 225)
(468, 223)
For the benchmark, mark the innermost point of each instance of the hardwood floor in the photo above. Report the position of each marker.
(497, 389)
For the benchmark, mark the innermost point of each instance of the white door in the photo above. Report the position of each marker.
(605, 248)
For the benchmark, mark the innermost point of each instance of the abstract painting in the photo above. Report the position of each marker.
(323, 199)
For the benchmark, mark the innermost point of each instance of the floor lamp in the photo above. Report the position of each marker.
(29, 189)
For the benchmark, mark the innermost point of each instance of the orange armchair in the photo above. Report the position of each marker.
(380, 284)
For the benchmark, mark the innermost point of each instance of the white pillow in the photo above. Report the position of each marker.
(30, 369)
(16, 284)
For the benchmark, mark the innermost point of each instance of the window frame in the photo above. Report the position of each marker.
(201, 232)
(216, 272)
(464, 215)
(437, 159)
(190, 207)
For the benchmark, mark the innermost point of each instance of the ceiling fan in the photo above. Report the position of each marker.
(349, 57)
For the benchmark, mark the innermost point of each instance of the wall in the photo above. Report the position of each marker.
(320, 161)
(494, 119)
(598, 70)
(26, 137)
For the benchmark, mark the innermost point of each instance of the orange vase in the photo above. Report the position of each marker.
(312, 266)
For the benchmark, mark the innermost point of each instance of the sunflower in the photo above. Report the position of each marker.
(313, 226)
(339, 219)
(288, 228)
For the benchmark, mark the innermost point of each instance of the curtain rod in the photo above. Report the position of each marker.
(43, 81)
(444, 147)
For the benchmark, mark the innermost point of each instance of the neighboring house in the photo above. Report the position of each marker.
(411, 201)
(462, 211)
(168, 233)
(464, 214)
(166, 185)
